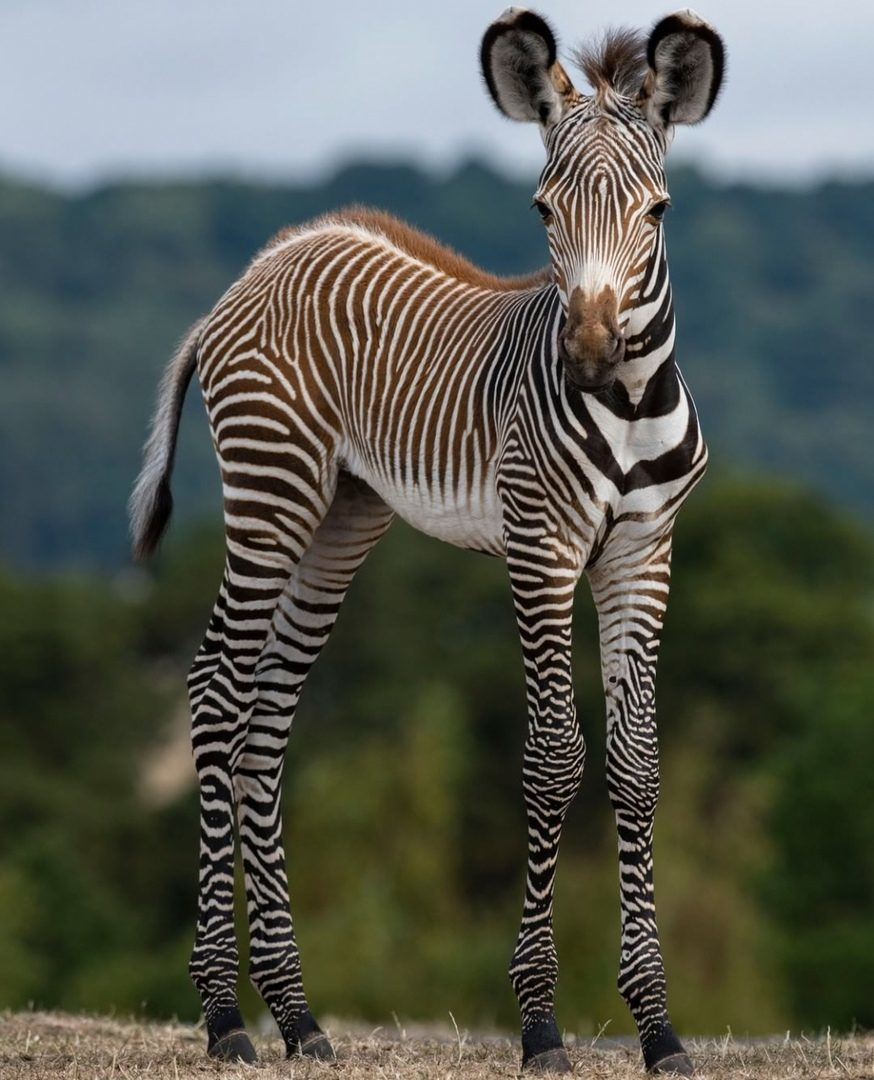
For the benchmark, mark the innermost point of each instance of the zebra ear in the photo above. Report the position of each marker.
(519, 65)
(686, 60)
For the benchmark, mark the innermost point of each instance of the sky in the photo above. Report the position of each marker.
(94, 90)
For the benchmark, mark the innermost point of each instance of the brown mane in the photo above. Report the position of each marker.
(419, 245)
(616, 62)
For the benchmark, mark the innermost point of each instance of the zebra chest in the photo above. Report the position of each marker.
(649, 482)
(630, 477)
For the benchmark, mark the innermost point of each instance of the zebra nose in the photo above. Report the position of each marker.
(591, 334)
(603, 346)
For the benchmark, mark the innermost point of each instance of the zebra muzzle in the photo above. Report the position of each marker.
(591, 369)
(591, 345)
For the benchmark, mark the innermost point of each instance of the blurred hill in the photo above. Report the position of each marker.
(773, 291)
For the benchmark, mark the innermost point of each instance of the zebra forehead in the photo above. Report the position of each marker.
(606, 122)
(591, 144)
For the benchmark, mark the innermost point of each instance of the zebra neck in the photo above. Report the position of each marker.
(647, 378)
(648, 382)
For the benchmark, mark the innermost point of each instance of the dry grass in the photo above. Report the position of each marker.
(38, 1045)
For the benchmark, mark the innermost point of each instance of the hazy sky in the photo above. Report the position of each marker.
(102, 88)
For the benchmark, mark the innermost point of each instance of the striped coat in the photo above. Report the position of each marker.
(359, 370)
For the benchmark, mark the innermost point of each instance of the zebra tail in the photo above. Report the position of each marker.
(151, 501)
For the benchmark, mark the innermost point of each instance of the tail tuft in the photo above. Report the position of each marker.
(151, 501)
(149, 517)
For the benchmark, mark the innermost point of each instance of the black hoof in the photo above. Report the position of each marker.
(234, 1046)
(542, 1048)
(549, 1061)
(317, 1046)
(674, 1065)
(306, 1039)
(663, 1053)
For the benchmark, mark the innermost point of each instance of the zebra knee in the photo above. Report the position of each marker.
(554, 761)
(633, 779)
(221, 697)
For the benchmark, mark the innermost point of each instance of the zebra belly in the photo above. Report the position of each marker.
(470, 519)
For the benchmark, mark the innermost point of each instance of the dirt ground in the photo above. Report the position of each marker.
(50, 1045)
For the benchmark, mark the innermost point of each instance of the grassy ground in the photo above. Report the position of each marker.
(37, 1045)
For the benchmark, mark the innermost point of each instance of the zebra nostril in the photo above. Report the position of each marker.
(617, 352)
(563, 353)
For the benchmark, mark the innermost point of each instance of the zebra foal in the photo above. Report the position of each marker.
(358, 369)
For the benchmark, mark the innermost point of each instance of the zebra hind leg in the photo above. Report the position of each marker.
(302, 624)
(222, 691)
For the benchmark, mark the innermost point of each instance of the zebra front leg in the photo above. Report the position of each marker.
(302, 624)
(631, 599)
(552, 770)
(222, 691)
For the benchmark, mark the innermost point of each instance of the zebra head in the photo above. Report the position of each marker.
(603, 193)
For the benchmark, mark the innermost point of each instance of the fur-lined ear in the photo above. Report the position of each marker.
(686, 61)
(519, 65)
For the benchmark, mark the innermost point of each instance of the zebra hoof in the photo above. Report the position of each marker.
(235, 1046)
(316, 1046)
(304, 1038)
(549, 1061)
(673, 1065)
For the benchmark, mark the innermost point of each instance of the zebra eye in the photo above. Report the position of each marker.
(657, 211)
(545, 213)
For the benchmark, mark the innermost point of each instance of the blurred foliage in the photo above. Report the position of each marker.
(404, 821)
(773, 292)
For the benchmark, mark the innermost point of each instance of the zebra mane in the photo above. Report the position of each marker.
(615, 62)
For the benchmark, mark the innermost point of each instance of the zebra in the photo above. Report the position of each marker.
(359, 369)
